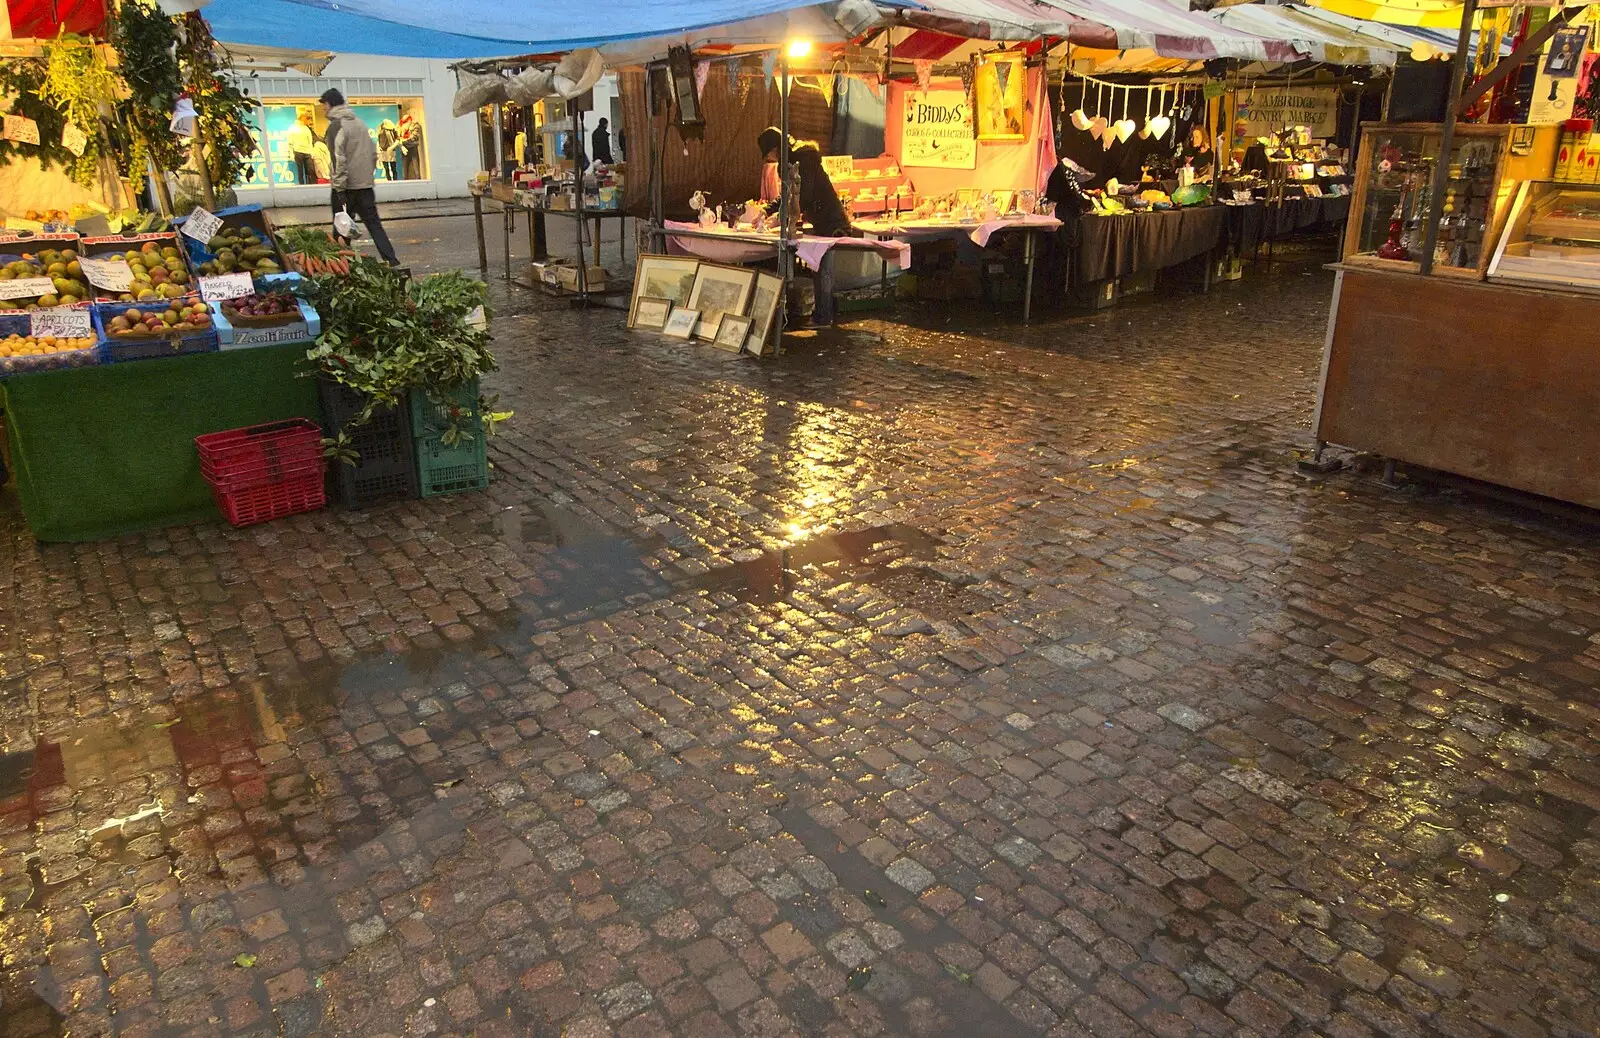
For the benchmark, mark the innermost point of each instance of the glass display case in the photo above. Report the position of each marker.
(1552, 237)
(1394, 184)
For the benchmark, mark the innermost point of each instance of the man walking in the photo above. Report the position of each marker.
(355, 160)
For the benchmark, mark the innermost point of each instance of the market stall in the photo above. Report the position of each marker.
(1459, 335)
(153, 368)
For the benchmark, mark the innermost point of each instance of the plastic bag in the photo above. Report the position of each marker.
(531, 85)
(476, 89)
(344, 225)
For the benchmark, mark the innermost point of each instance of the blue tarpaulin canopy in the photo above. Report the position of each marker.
(485, 28)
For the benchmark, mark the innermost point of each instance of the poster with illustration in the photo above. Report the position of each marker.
(1000, 87)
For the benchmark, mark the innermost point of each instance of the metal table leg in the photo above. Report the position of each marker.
(505, 226)
(1027, 289)
(477, 220)
(541, 243)
(599, 222)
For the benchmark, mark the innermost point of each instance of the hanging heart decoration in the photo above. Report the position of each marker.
(1098, 128)
(1108, 133)
(1081, 120)
(1159, 125)
(1125, 128)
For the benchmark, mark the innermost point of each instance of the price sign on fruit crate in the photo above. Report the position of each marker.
(63, 322)
(201, 225)
(113, 275)
(26, 288)
(217, 287)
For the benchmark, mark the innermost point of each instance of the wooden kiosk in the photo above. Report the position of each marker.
(1463, 331)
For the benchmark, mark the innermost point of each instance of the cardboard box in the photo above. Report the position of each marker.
(501, 191)
(230, 337)
(595, 278)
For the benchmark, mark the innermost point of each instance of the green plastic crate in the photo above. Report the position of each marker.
(434, 415)
(442, 468)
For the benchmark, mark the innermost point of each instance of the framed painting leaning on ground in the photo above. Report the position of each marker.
(717, 291)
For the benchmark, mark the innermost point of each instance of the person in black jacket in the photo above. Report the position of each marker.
(819, 202)
(602, 143)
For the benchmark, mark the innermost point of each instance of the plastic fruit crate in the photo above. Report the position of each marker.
(296, 493)
(264, 472)
(115, 349)
(13, 323)
(260, 451)
(444, 468)
(387, 469)
(429, 415)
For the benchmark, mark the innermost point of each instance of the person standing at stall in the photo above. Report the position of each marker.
(355, 160)
(819, 202)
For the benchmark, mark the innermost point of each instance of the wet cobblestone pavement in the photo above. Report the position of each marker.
(961, 679)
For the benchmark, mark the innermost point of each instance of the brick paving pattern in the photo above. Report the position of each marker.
(942, 678)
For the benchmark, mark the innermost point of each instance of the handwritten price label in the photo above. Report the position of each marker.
(113, 275)
(74, 139)
(21, 129)
(26, 288)
(218, 287)
(63, 322)
(201, 225)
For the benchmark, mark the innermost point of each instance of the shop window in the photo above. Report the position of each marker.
(291, 135)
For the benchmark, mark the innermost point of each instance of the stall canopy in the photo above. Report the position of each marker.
(1316, 38)
(21, 19)
(818, 24)
(486, 28)
(1155, 25)
(1429, 14)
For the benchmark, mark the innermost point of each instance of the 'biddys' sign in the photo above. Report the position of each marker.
(938, 130)
(1266, 111)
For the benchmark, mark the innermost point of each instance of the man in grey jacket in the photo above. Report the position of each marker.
(355, 160)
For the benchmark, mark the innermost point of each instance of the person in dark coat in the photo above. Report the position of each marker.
(601, 152)
(819, 202)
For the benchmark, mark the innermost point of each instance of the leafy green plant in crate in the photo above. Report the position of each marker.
(384, 335)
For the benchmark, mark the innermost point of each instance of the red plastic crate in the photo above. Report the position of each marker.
(259, 451)
(264, 471)
(245, 506)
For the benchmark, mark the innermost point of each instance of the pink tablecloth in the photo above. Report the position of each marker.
(736, 249)
(980, 233)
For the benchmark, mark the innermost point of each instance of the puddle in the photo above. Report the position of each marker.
(960, 1008)
(875, 555)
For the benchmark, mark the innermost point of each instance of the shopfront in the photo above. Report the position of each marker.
(405, 102)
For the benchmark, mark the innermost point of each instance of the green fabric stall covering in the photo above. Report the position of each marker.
(108, 450)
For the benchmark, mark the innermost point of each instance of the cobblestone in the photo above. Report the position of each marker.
(1016, 666)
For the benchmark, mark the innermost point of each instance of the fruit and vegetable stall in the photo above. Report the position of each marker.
(123, 357)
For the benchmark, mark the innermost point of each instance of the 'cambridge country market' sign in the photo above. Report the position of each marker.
(1266, 110)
